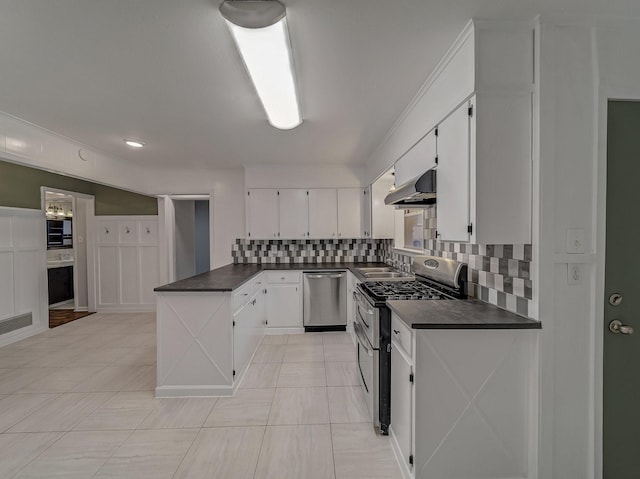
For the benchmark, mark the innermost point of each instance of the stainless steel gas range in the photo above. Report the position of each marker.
(435, 279)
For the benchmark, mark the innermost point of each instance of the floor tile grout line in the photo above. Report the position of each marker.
(113, 453)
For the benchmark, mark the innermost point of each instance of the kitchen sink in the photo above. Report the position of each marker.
(375, 270)
(388, 275)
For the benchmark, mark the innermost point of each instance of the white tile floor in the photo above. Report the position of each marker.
(78, 402)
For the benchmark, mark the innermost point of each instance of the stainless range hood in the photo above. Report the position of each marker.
(420, 191)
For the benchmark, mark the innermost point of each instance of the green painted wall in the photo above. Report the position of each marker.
(20, 188)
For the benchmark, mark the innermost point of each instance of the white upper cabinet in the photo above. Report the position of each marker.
(382, 215)
(453, 176)
(420, 158)
(262, 214)
(323, 213)
(293, 213)
(350, 201)
(366, 212)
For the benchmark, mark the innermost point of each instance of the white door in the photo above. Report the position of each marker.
(262, 214)
(350, 202)
(417, 160)
(323, 213)
(284, 306)
(401, 402)
(293, 213)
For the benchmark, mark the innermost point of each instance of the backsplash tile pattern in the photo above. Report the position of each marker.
(497, 274)
(247, 251)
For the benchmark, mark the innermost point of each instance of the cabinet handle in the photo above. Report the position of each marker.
(245, 294)
(396, 331)
(253, 302)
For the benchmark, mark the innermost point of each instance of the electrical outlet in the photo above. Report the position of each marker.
(576, 240)
(575, 274)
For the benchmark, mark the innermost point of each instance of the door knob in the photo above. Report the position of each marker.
(617, 327)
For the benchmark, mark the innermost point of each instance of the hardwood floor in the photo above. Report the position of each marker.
(78, 401)
(58, 317)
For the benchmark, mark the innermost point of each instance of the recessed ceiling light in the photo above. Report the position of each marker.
(134, 143)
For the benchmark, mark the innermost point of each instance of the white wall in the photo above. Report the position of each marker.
(583, 64)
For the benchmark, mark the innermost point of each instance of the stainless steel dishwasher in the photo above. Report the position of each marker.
(325, 301)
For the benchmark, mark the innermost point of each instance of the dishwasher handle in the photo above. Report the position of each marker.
(325, 276)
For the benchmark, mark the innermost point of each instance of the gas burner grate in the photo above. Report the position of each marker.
(401, 290)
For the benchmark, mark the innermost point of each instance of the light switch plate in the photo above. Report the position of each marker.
(576, 240)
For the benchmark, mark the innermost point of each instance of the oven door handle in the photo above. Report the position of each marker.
(362, 339)
(362, 320)
(361, 305)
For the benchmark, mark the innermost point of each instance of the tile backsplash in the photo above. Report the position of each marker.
(247, 251)
(497, 274)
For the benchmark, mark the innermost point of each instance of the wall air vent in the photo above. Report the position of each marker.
(15, 323)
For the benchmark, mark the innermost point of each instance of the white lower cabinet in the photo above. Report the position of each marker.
(463, 401)
(248, 327)
(402, 400)
(283, 302)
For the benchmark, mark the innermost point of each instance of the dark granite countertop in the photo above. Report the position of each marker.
(232, 276)
(458, 314)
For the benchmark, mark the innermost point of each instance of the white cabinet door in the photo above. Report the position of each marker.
(401, 403)
(262, 214)
(453, 176)
(350, 202)
(420, 158)
(242, 329)
(323, 213)
(284, 306)
(293, 213)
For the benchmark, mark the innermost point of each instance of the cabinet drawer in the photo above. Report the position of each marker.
(257, 284)
(275, 277)
(240, 297)
(402, 334)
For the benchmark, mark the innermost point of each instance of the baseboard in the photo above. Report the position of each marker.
(194, 391)
(82, 309)
(19, 335)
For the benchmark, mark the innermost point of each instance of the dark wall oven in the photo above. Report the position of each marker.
(59, 234)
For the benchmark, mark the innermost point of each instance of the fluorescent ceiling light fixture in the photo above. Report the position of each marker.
(134, 143)
(259, 29)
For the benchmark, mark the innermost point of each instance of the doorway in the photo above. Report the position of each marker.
(192, 239)
(68, 217)
(621, 336)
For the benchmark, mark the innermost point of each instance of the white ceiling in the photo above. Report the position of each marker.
(166, 72)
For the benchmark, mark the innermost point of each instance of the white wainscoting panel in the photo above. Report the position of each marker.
(127, 262)
(23, 270)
